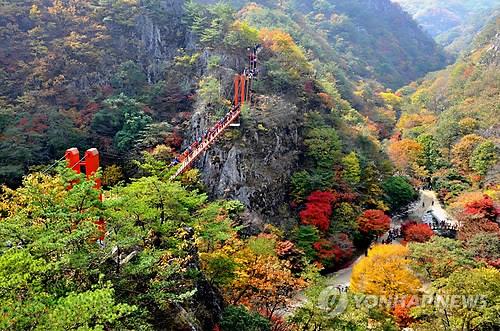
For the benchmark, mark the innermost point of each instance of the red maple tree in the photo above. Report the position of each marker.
(318, 210)
(335, 251)
(328, 253)
(174, 140)
(417, 232)
(374, 221)
(484, 208)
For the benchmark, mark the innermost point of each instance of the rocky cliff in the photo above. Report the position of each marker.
(162, 33)
(253, 163)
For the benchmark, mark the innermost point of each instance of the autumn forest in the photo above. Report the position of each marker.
(249, 165)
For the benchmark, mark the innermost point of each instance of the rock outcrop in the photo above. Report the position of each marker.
(253, 163)
(162, 34)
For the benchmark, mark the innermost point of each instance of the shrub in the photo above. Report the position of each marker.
(239, 318)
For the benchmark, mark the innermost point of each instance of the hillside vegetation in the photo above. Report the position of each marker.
(448, 133)
(325, 154)
(373, 39)
(454, 24)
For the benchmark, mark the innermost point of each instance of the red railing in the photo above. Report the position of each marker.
(206, 143)
(242, 93)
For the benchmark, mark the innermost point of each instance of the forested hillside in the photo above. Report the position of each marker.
(453, 23)
(448, 133)
(365, 39)
(325, 160)
(110, 73)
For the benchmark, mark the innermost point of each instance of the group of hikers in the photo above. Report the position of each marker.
(423, 203)
(392, 235)
(250, 72)
(442, 225)
(342, 288)
(396, 233)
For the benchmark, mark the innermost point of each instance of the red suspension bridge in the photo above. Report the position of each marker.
(242, 93)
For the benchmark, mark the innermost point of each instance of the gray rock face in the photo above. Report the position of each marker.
(253, 162)
(162, 34)
(492, 56)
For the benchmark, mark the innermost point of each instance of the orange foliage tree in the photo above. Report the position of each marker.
(263, 282)
(409, 121)
(281, 42)
(286, 51)
(462, 151)
(401, 311)
(405, 154)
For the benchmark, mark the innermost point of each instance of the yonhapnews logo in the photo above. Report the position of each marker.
(333, 301)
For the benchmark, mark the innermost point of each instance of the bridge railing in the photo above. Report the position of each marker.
(205, 143)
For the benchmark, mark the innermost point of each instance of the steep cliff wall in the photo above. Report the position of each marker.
(253, 163)
(162, 33)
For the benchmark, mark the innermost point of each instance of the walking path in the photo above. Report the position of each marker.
(343, 276)
(431, 203)
(416, 211)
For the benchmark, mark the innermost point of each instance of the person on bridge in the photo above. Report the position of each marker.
(174, 162)
(253, 61)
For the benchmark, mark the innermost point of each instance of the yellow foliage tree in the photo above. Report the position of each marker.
(468, 125)
(462, 151)
(391, 98)
(405, 154)
(280, 42)
(50, 189)
(385, 271)
(409, 121)
(112, 175)
(285, 48)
